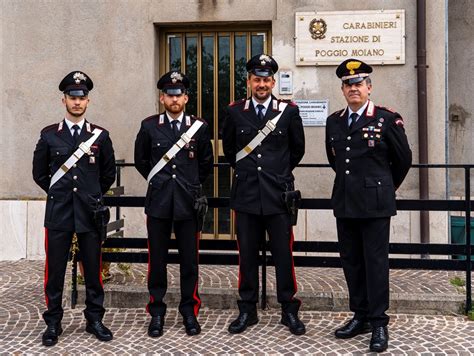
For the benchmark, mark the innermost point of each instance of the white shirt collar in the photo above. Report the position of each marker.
(70, 124)
(179, 118)
(360, 111)
(265, 104)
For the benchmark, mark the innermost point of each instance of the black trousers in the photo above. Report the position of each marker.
(159, 234)
(250, 233)
(57, 245)
(363, 246)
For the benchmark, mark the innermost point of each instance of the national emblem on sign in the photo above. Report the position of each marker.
(318, 28)
(175, 76)
(78, 76)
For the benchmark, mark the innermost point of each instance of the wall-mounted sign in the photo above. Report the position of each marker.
(313, 112)
(329, 37)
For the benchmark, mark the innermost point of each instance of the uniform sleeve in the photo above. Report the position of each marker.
(108, 170)
(400, 153)
(41, 170)
(329, 152)
(296, 138)
(205, 154)
(142, 154)
(228, 138)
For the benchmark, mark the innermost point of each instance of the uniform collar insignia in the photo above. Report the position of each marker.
(370, 109)
(161, 120)
(275, 105)
(88, 127)
(247, 105)
(188, 120)
(60, 126)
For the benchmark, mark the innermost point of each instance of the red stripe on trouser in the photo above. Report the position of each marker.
(46, 265)
(100, 268)
(238, 249)
(195, 294)
(295, 286)
(148, 271)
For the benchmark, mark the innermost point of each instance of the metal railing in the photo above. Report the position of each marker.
(224, 252)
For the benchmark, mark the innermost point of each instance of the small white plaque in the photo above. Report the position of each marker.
(313, 112)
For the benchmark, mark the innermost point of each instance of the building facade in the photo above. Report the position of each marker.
(126, 45)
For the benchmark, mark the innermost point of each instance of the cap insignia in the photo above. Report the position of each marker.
(264, 59)
(175, 76)
(353, 65)
(78, 76)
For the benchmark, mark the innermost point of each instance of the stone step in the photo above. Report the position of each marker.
(119, 296)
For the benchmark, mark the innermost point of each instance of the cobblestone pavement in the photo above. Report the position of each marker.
(22, 302)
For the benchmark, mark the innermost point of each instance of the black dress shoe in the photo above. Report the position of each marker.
(243, 321)
(293, 322)
(155, 328)
(100, 331)
(353, 328)
(191, 325)
(51, 334)
(379, 340)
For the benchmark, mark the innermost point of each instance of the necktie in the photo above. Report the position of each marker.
(175, 128)
(353, 117)
(260, 108)
(75, 135)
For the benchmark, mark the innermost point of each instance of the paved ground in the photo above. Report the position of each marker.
(22, 302)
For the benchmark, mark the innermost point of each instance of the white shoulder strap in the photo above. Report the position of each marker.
(183, 140)
(269, 127)
(84, 147)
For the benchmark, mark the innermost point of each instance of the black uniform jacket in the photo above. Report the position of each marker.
(371, 161)
(71, 200)
(172, 190)
(261, 177)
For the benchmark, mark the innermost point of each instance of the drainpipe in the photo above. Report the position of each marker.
(422, 116)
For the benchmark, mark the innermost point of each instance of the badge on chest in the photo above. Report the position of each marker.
(91, 154)
(372, 134)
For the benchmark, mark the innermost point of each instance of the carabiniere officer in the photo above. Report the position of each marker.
(367, 147)
(174, 184)
(75, 188)
(262, 175)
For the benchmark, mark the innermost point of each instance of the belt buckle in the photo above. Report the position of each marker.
(186, 137)
(83, 147)
(270, 125)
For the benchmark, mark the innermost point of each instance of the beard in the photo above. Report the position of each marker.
(174, 108)
(77, 113)
(262, 95)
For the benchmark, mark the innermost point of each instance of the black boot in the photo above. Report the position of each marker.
(51, 334)
(243, 321)
(155, 328)
(379, 340)
(353, 328)
(100, 331)
(293, 322)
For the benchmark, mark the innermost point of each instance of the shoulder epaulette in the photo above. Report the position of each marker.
(94, 126)
(150, 117)
(198, 118)
(288, 101)
(385, 108)
(338, 112)
(234, 103)
(49, 127)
